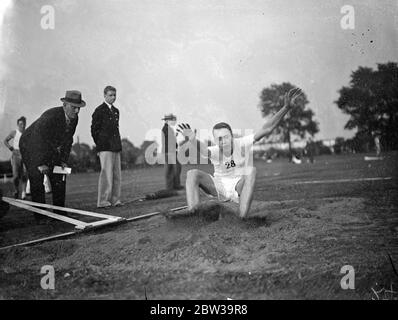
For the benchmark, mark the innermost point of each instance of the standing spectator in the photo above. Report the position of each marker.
(310, 150)
(18, 169)
(105, 132)
(171, 164)
(47, 143)
(376, 137)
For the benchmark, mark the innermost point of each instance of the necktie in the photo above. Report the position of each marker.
(68, 125)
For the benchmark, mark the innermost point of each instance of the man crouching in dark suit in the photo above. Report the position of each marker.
(47, 143)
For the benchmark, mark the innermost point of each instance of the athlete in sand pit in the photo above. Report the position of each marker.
(234, 177)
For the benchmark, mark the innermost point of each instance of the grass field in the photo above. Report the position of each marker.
(315, 219)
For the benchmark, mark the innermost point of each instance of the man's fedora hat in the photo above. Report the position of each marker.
(74, 97)
(169, 117)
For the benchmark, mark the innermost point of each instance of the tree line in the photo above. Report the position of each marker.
(370, 99)
(83, 158)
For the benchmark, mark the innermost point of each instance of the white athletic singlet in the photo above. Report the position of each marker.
(235, 165)
(18, 135)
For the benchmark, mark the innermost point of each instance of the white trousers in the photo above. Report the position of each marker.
(109, 184)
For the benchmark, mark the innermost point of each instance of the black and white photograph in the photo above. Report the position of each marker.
(217, 151)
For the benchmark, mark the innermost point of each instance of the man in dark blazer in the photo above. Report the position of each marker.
(106, 135)
(47, 143)
(171, 164)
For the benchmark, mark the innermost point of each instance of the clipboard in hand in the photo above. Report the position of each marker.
(59, 170)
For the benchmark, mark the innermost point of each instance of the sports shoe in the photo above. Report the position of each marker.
(118, 204)
(104, 205)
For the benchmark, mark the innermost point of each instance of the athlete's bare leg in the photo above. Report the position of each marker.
(196, 180)
(245, 189)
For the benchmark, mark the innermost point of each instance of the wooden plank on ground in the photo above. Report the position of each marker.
(77, 211)
(77, 223)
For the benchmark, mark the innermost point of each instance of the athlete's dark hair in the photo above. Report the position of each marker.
(222, 125)
(23, 119)
(109, 88)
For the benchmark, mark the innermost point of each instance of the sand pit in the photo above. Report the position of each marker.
(187, 257)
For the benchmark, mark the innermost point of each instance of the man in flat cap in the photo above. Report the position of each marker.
(170, 147)
(47, 143)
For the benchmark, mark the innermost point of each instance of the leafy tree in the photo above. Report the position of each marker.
(143, 148)
(299, 121)
(145, 144)
(82, 158)
(371, 100)
(129, 154)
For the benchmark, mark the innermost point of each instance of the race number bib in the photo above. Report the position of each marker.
(230, 164)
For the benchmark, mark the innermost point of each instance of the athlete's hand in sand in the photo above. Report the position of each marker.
(291, 96)
(186, 131)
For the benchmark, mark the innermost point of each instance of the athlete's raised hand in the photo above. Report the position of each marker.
(288, 99)
(186, 131)
(291, 96)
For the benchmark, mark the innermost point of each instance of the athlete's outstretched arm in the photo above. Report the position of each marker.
(190, 136)
(272, 123)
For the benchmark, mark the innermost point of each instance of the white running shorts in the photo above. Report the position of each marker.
(225, 187)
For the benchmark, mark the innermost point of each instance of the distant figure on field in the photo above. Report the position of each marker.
(310, 150)
(376, 137)
(18, 169)
(172, 166)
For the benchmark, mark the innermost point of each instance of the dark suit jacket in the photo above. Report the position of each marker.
(105, 129)
(169, 141)
(48, 140)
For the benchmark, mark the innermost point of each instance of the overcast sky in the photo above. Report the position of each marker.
(205, 61)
